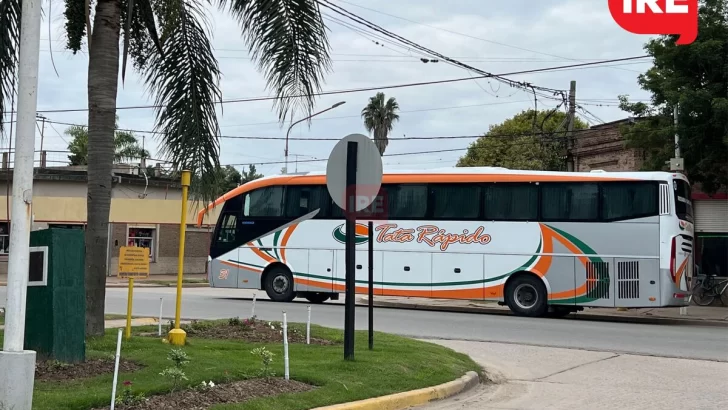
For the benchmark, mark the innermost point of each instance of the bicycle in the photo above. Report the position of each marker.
(706, 289)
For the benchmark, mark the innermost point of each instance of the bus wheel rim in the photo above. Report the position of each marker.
(525, 296)
(280, 284)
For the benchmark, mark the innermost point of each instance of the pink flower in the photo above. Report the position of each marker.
(127, 383)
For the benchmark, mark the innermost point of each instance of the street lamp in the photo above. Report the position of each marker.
(303, 119)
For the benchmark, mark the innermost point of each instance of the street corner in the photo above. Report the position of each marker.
(405, 400)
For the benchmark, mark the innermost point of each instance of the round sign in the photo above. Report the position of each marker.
(368, 172)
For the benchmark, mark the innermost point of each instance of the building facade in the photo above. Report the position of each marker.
(602, 147)
(145, 211)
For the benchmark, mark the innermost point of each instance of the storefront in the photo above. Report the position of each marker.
(711, 231)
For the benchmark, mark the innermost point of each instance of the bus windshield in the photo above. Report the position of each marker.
(683, 205)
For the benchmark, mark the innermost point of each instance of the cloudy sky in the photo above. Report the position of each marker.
(495, 36)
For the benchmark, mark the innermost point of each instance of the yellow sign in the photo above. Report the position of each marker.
(133, 262)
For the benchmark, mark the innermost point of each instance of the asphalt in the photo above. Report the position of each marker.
(686, 341)
(680, 341)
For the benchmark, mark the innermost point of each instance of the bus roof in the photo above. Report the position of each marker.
(451, 175)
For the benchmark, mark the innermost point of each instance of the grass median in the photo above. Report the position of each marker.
(224, 352)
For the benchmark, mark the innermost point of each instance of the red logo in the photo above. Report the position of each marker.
(375, 196)
(658, 17)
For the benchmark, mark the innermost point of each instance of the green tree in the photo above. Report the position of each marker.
(169, 44)
(226, 179)
(126, 146)
(695, 78)
(379, 117)
(514, 144)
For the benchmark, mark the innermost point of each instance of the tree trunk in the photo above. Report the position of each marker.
(103, 75)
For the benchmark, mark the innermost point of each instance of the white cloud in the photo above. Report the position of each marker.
(494, 36)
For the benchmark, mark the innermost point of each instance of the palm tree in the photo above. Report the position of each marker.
(126, 146)
(379, 117)
(169, 43)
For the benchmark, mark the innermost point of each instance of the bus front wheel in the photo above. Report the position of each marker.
(279, 285)
(526, 296)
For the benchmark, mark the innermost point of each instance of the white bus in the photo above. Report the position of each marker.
(542, 243)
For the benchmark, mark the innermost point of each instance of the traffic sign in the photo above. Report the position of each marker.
(368, 172)
(353, 178)
(133, 262)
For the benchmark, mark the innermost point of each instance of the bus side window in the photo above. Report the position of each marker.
(302, 199)
(264, 202)
(228, 228)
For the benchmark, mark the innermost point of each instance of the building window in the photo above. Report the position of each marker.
(142, 237)
(4, 237)
(712, 258)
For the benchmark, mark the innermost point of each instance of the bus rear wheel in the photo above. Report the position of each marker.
(279, 285)
(526, 296)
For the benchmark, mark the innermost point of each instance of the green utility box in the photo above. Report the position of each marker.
(56, 303)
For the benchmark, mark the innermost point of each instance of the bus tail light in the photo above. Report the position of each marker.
(673, 259)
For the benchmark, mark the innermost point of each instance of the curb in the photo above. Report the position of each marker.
(156, 285)
(408, 399)
(658, 320)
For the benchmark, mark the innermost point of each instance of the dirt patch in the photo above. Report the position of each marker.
(52, 370)
(201, 399)
(250, 330)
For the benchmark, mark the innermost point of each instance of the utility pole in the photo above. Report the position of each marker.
(42, 130)
(570, 128)
(677, 163)
(17, 366)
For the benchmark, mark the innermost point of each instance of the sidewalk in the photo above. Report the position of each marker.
(696, 315)
(189, 281)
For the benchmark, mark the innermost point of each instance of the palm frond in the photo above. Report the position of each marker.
(185, 83)
(288, 41)
(9, 42)
(140, 33)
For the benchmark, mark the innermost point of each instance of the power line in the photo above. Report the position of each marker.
(266, 138)
(358, 19)
(385, 87)
(461, 34)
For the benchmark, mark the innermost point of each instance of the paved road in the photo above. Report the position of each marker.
(535, 378)
(710, 343)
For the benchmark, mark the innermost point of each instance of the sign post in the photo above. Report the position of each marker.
(133, 264)
(353, 178)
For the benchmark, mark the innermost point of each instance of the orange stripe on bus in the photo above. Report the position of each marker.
(261, 254)
(284, 241)
(474, 293)
(681, 271)
(235, 265)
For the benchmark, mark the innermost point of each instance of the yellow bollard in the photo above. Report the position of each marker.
(177, 336)
(128, 308)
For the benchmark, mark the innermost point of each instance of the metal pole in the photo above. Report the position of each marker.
(116, 369)
(285, 347)
(677, 136)
(19, 251)
(371, 285)
(130, 300)
(351, 165)
(570, 166)
(177, 336)
(285, 152)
